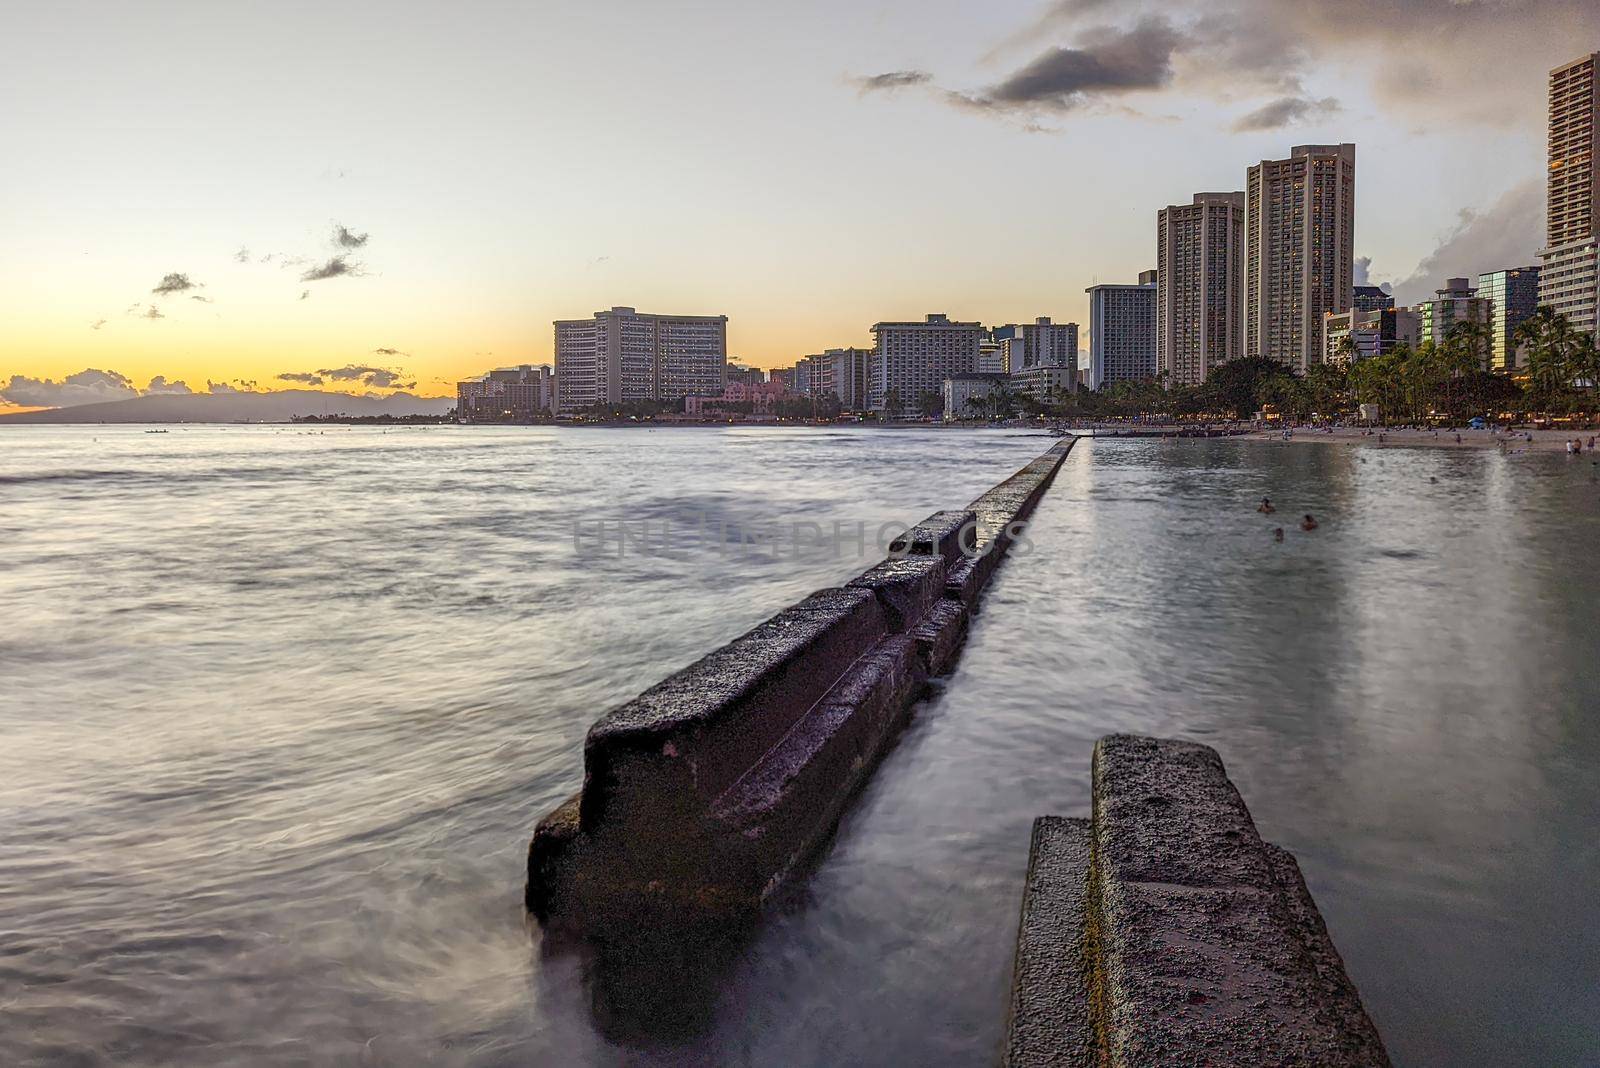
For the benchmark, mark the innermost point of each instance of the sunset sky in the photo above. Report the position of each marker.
(804, 169)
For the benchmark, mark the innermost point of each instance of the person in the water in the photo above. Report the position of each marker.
(1265, 507)
(1309, 522)
(1277, 534)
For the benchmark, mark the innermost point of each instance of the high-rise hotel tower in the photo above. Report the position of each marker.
(1570, 274)
(621, 355)
(1199, 286)
(1300, 220)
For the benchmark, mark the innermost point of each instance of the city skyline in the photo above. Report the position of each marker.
(236, 222)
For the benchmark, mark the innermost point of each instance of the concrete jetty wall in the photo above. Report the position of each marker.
(713, 786)
(1163, 930)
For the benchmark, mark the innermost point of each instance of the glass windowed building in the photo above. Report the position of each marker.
(1514, 292)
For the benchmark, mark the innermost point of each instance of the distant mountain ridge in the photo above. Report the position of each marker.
(276, 406)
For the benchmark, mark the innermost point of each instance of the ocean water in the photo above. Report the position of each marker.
(279, 709)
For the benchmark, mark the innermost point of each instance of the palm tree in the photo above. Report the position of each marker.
(1550, 340)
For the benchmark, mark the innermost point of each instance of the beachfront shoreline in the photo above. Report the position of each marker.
(1515, 441)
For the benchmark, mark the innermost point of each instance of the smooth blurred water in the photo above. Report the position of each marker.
(278, 711)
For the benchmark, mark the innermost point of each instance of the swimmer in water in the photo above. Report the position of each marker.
(1277, 534)
(1309, 522)
(1265, 507)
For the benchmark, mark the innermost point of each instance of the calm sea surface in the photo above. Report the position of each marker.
(279, 710)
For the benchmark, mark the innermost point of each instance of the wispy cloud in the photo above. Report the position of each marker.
(375, 377)
(344, 237)
(304, 377)
(174, 283)
(336, 267)
(1285, 111)
(889, 81)
(97, 324)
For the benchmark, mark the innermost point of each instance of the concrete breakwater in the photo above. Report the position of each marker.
(1163, 930)
(711, 788)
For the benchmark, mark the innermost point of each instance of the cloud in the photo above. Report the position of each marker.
(160, 386)
(1256, 53)
(1363, 271)
(376, 377)
(174, 283)
(97, 324)
(389, 352)
(202, 300)
(1108, 62)
(334, 268)
(152, 312)
(1506, 234)
(242, 256)
(242, 386)
(343, 237)
(304, 293)
(889, 81)
(1285, 111)
(89, 386)
(301, 376)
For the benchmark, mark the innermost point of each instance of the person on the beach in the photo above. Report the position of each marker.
(1265, 507)
(1458, 439)
(1309, 522)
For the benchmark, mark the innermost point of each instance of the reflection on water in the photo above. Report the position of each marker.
(279, 712)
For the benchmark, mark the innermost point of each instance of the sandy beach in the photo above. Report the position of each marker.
(1515, 441)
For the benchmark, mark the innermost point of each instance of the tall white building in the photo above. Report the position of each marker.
(622, 356)
(912, 359)
(1569, 278)
(1200, 286)
(1122, 331)
(1300, 216)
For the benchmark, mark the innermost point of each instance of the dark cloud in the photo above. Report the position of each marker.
(298, 376)
(891, 80)
(343, 237)
(1258, 51)
(160, 386)
(89, 386)
(1284, 112)
(1506, 234)
(238, 385)
(389, 352)
(376, 377)
(304, 293)
(202, 300)
(1107, 62)
(174, 283)
(336, 267)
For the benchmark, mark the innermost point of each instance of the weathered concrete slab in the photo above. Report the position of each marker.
(947, 535)
(1050, 991)
(906, 588)
(683, 741)
(940, 635)
(1205, 946)
(713, 786)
